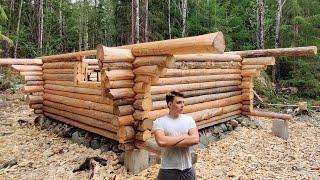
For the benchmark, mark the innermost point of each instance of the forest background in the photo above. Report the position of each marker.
(32, 28)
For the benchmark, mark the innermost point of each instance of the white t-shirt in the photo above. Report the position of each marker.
(175, 158)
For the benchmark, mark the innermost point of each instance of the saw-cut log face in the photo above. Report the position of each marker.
(176, 106)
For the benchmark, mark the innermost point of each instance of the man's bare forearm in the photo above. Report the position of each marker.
(170, 141)
(189, 141)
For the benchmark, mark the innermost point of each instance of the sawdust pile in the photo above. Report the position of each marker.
(30, 153)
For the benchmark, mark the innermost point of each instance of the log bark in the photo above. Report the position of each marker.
(207, 65)
(199, 72)
(59, 77)
(102, 116)
(159, 97)
(34, 99)
(59, 65)
(107, 54)
(278, 52)
(162, 61)
(193, 86)
(31, 73)
(33, 78)
(268, 114)
(115, 65)
(24, 68)
(121, 102)
(79, 103)
(20, 61)
(69, 56)
(196, 79)
(30, 89)
(125, 133)
(207, 57)
(86, 97)
(72, 89)
(259, 61)
(208, 43)
(102, 132)
(58, 71)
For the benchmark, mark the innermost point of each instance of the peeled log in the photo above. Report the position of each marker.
(91, 61)
(82, 119)
(58, 71)
(195, 79)
(73, 89)
(193, 86)
(20, 61)
(31, 73)
(34, 99)
(143, 136)
(78, 103)
(143, 104)
(253, 66)
(159, 97)
(120, 84)
(107, 54)
(59, 65)
(279, 52)
(114, 75)
(38, 111)
(162, 61)
(148, 70)
(89, 84)
(125, 120)
(206, 65)
(207, 43)
(87, 97)
(146, 79)
(116, 66)
(125, 133)
(121, 102)
(80, 125)
(37, 93)
(199, 72)
(250, 72)
(141, 87)
(62, 83)
(205, 114)
(27, 68)
(268, 114)
(218, 119)
(69, 56)
(122, 93)
(59, 77)
(36, 106)
(33, 78)
(259, 61)
(124, 110)
(207, 57)
(30, 89)
(102, 116)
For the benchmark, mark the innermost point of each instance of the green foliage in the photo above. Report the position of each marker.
(8, 79)
(265, 88)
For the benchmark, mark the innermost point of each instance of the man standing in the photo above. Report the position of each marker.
(176, 132)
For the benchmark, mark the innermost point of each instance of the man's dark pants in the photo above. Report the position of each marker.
(176, 174)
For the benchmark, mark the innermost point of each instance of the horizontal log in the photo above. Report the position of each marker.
(143, 136)
(193, 86)
(33, 78)
(122, 93)
(31, 73)
(20, 61)
(152, 115)
(80, 118)
(73, 89)
(246, 84)
(219, 121)
(143, 104)
(278, 52)
(250, 72)
(37, 93)
(31, 99)
(124, 110)
(69, 56)
(195, 79)
(125, 120)
(28, 68)
(148, 70)
(247, 108)
(199, 72)
(141, 115)
(59, 77)
(30, 89)
(225, 115)
(146, 79)
(159, 97)
(141, 87)
(36, 106)
(253, 66)
(246, 102)
(58, 71)
(102, 132)
(102, 116)
(79, 103)
(107, 54)
(259, 61)
(38, 111)
(268, 114)
(197, 99)
(116, 65)
(61, 83)
(114, 75)
(120, 84)
(125, 133)
(207, 57)
(59, 65)
(89, 84)
(91, 67)
(207, 43)
(91, 61)
(206, 65)
(98, 99)
(161, 61)
(247, 96)
(121, 102)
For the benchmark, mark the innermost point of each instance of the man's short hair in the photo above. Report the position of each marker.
(170, 96)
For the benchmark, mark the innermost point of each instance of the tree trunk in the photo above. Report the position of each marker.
(18, 26)
(80, 29)
(260, 23)
(184, 16)
(85, 28)
(137, 22)
(60, 24)
(146, 32)
(40, 26)
(169, 18)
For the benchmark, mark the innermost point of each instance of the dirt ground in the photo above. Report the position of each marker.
(244, 154)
